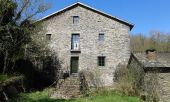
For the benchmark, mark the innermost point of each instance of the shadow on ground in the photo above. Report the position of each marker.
(44, 100)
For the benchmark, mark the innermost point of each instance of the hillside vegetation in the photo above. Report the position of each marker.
(156, 40)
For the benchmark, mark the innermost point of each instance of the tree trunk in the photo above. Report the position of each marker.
(5, 62)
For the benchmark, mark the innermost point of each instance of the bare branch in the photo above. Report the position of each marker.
(24, 6)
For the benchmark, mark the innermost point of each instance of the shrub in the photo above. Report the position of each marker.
(90, 81)
(125, 81)
(132, 81)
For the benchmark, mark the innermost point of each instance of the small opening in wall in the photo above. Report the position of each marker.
(48, 37)
(101, 60)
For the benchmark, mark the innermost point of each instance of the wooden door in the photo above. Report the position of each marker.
(74, 65)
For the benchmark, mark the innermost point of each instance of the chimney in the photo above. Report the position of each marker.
(151, 54)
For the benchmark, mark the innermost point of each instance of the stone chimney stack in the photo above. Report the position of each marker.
(151, 54)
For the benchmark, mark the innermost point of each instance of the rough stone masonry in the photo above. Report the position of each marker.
(115, 47)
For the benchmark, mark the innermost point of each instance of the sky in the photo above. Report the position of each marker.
(146, 15)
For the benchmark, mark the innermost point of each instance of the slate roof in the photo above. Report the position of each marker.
(162, 60)
(89, 8)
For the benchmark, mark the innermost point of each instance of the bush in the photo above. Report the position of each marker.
(40, 72)
(90, 81)
(125, 81)
(132, 81)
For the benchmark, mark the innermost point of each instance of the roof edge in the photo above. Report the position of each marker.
(131, 25)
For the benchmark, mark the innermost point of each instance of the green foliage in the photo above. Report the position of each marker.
(4, 77)
(7, 78)
(43, 97)
(17, 28)
(6, 11)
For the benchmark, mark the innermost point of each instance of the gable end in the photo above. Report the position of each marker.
(89, 8)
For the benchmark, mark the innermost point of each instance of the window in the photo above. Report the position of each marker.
(48, 36)
(101, 61)
(101, 36)
(75, 19)
(75, 41)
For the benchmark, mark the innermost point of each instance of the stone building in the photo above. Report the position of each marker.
(87, 39)
(157, 74)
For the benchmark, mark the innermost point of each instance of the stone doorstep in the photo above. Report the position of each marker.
(74, 75)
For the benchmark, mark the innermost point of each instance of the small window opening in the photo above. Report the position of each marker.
(48, 37)
(101, 36)
(101, 61)
(75, 19)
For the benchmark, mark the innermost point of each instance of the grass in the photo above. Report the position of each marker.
(4, 77)
(43, 97)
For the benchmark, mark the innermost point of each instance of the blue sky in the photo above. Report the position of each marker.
(147, 15)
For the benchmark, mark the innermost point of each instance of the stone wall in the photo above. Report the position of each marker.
(152, 87)
(155, 81)
(164, 82)
(137, 72)
(116, 46)
(157, 86)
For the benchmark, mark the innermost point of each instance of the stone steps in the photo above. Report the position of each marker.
(67, 89)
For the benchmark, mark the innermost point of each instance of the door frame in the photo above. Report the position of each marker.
(71, 64)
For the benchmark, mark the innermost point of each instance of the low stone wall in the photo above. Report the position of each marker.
(151, 87)
(158, 80)
(157, 86)
(164, 81)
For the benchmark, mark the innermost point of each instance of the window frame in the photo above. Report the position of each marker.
(101, 61)
(75, 19)
(101, 37)
(76, 39)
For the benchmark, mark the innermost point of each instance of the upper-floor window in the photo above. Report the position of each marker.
(48, 37)
(101, 36)
(101, 60)
(75, 42)
(75, 19)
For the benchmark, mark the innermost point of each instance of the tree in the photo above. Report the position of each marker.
(16, 27)
(156, 40)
